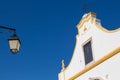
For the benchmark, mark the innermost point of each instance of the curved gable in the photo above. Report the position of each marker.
(89, 29)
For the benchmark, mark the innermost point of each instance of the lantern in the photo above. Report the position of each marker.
(14, 44)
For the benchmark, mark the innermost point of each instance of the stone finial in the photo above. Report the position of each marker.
(63, 65)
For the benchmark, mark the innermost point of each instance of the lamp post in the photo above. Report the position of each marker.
(14, 41)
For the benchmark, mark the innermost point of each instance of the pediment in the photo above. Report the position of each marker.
(88, 20)
(85, 23)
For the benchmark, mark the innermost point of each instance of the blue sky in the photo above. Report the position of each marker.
(47, 29)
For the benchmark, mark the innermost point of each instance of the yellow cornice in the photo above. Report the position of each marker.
(85, 19)
(94, 64)
(103, 29)
(89, 17)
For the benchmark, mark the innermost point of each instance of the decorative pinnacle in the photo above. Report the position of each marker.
(63, 65)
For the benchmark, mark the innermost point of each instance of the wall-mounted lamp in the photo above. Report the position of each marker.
(14, 41)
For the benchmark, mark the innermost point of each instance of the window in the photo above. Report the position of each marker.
(88, 52)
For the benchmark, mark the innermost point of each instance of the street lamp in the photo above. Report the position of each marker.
(14, 41)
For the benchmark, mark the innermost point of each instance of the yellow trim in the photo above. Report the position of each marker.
(86, 18)
(92, 65)
(89, 17)
(103, 29)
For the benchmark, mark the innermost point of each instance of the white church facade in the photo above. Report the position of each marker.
(97, 52)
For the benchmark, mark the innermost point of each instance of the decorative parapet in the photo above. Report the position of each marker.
(85, 18)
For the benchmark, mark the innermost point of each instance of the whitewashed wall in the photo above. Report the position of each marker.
(108, 70)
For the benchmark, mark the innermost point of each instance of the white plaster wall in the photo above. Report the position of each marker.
(104, 42)
(108, 70)
(61, 75)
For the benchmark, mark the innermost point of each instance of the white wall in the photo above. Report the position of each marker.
(108, 70)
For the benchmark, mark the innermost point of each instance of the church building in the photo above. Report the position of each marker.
(97, 52)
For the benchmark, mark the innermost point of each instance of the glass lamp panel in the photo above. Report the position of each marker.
(14, 45)
(18, 45)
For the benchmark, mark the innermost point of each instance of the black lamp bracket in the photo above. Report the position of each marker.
(12, 29)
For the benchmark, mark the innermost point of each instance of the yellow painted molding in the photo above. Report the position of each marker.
(103, 29)
(89, 17)
(94, 64)
(85, 19)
